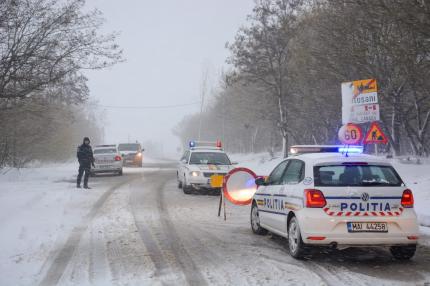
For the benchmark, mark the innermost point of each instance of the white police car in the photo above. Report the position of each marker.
(336, 196)
(198, 164)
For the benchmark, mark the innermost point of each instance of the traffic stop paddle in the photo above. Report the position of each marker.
(238, 186)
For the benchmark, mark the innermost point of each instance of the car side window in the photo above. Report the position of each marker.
(294, 173)
(276, 175)
(185, 156)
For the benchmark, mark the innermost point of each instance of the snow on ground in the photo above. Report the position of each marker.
(39, 206)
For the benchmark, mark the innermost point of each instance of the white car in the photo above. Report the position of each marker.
(339, 198)
(199, 164)
(107, 160)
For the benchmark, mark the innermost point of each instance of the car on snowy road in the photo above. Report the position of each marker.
(199, 164)
(336, 196)
(132, 154)
(106, 160)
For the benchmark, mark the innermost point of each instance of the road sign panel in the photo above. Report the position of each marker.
(375, 135)
(360, 101)
(350, 134)
(364, 113)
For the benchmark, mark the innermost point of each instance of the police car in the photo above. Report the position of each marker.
(107, 159)
(198, 164)
(336, 196)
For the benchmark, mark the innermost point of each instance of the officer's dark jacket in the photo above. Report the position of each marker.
(85, 155)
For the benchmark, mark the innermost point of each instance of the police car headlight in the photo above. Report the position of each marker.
(195, 173)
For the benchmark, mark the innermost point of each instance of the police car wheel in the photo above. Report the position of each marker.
(403, 252)
(186, 188)
(296, 246)
(179, 185)
(255, 221)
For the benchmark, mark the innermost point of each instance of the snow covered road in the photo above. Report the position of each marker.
(140, 229)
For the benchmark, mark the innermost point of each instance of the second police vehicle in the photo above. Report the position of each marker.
(198, 164)
(336, 196)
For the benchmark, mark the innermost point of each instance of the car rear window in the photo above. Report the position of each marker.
(356, 175)
(129, 147)
(105, 151)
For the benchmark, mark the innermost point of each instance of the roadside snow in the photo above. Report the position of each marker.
(39, 207)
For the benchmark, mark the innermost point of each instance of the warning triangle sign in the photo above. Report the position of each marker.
(375, 135)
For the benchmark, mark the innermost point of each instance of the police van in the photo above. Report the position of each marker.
(199, 164)
(336, 196)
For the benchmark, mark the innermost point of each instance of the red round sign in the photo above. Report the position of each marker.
(239, 186)
(350, 134)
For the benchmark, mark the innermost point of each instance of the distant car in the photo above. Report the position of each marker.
(336, 196)
(131, 154)
(199, 163)
(107, 160)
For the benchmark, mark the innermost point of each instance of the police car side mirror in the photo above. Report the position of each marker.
(234, 163)
(260, 181)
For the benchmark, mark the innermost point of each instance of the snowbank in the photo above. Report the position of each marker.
(39, 207)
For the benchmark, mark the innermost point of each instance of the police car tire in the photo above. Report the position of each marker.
(403, 252)
(120, 173)
(187, 189)
(179, 185)
(300, 249)
(257, 229)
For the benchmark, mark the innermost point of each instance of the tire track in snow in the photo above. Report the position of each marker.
(168, 238)
(65, 254)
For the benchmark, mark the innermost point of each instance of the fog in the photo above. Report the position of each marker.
(167, 46)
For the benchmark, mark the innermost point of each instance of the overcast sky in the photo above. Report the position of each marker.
(167, 44)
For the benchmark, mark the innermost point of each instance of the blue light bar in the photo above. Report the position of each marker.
(351, 149)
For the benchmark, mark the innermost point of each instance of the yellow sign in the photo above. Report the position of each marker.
(364, 86)
(375, 135)
(216, 181)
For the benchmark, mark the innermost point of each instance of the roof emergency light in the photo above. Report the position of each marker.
(351, 149)
(205, 144)
(345, 149)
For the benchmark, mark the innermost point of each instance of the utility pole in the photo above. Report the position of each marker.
(203, 88)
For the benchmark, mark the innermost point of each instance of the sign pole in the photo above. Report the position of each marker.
(220, 203)
(225, 212)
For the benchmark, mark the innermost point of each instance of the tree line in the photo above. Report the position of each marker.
(288, 63)
(45, 45)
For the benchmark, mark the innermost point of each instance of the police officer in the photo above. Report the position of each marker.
(86, 159)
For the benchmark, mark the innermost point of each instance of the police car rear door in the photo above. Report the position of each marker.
(360, 189)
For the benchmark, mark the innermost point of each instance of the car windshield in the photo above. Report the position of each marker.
(214, 158)
(128, 147)
(105, 151)
(356, 175)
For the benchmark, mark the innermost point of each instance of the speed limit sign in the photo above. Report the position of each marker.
(350, 134)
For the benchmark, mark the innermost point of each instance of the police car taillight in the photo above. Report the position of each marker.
(314, 198)
(117, 158)
(407, 199)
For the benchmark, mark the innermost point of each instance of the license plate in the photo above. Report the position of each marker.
(104, 166)
(367, 227)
